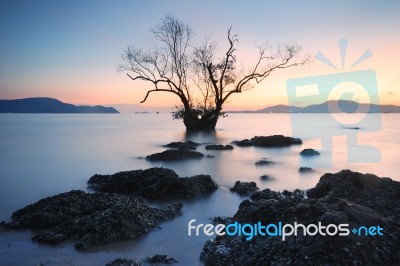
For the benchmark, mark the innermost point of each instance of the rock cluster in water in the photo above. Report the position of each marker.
(117, 212)
(269, 141)
(343, 198)
(174, 155)
(154, 183)
(90, 219)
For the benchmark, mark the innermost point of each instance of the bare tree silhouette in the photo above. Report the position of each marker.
(202, 80)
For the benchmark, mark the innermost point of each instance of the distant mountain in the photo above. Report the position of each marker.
(340, 106)
(49, 105)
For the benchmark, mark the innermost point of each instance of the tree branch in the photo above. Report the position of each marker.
(150, 91)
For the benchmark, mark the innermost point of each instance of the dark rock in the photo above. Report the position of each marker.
(265, 177)
(244, 188)
(90, 219)
(161, 259)
(124, 262)
(210, 156)
(174, 155)
(309, 152)
(380, 194)
(266, 194)
(306, 170)
(219, 147)
(264, 162)
(269, 141)
(154, 183)
(188, 145)
(243, 143)
(343, 198)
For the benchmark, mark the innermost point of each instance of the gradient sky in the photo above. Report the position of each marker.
(69, 50)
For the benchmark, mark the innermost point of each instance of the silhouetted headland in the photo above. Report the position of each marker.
(49, 105)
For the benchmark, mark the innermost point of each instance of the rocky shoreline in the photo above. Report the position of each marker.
(345, 197)
(118, 210)
(90, 219)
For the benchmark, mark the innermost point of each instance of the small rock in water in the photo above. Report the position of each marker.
(264, 162)
(265, 177)
(188, 145)
(306, 170)
(309, 152)
(269, 141)
(219, 147)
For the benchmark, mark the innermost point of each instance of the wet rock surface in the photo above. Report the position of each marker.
(158, 258)
(343, 198)
(154, 183)
(90, 219)
(309, 152)
(174, 155)
(124, 262)
(269, 141)
(188, 145)
(244, 188)
(219, 147)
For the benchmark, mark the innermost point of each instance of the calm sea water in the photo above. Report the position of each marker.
(46, 154)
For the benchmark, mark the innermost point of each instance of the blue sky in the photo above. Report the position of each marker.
(70, 49)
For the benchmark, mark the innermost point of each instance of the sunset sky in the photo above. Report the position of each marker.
(69, 50)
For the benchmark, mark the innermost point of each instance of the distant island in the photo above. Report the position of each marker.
(340, 106)
(49, 105)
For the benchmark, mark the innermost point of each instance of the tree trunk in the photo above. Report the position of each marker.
(204, 123)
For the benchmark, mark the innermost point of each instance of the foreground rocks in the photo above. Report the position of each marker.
(154, 183)
(159, 258)
(175, 155)
(269, 141)
(151, 260)
(90, 219)
(124, 262)
(343, 198)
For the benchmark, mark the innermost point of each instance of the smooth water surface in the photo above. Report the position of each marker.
(46, 154)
